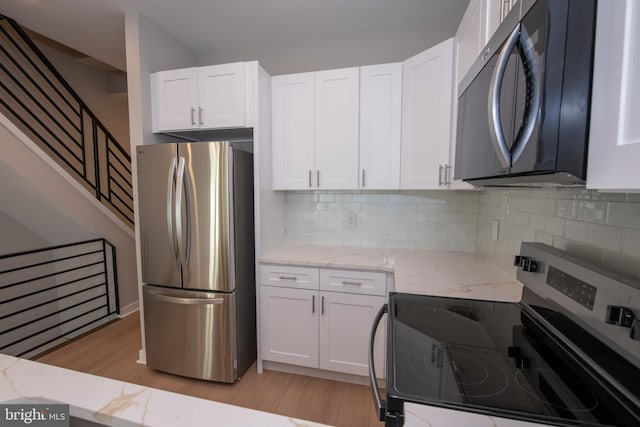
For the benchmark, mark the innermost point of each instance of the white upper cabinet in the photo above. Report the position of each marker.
(176, 99)
(470, 37)
(427, 100)
(337, 129)
(315, 130)
(293, 115)
(614, 142)
(223, 99)
(200, 98)
(380, 126)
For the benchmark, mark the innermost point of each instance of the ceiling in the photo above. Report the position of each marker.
(96, 27)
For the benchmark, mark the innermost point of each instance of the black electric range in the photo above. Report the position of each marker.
(568, 354)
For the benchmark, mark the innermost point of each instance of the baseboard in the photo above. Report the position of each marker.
(142, 357)
(318, 373)
(129, 309)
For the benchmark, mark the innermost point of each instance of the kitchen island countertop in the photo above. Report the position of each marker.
(440, 273)
(116, 403)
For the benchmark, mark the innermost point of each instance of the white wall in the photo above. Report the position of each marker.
(16, 237)
(381, 45)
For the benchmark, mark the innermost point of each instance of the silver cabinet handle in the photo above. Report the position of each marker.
(440, 167)
(495, 126)
(380, 404)
(349, 282)
(170, 205)
(193, 118)
(447, 174)
(200, 115)
(310, 184)
(313, 304)
(363, 183)
(318, 178)
(294, 278)
(322, 305)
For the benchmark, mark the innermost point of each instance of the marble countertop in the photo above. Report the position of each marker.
(117, 403)
(441, 273)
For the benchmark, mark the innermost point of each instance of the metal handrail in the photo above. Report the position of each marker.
(37, 99)
(51, 294)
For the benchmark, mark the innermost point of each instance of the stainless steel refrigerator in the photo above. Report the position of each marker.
(197, 246)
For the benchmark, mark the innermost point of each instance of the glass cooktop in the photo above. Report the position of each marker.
(494, 358)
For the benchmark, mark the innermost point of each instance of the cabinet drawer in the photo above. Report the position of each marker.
(353, 282)
(289, 276)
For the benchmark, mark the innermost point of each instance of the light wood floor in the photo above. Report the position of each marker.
(113, 350)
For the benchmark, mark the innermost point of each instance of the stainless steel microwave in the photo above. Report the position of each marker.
(524, 106)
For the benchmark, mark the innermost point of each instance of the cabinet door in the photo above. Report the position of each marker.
(345, 325)
(337, 102)
(380, 112)
(176, 100)
(614, 142)
(223, 100)
(289, 325)
(427, 96)
(470, 37)
(293, 131)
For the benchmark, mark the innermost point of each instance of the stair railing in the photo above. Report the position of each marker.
(37, 99)
(50, 295)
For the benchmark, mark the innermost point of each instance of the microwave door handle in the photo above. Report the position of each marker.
(170, 208)
(532, 104)
(377, 399)
(178, 209)
(495, 125)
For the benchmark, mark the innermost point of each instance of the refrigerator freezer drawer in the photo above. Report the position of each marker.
(191, 333)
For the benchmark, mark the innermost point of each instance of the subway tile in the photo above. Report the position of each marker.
(624, 215)
(605, 237)
(544, 238)
(592, 211)
(567, 209)
(576, 230)
(631, 242)
(536, 222)
(554, 226)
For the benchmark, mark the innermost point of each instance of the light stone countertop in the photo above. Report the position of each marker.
(117, 403)
(441, 273)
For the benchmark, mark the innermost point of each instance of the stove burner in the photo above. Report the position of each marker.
(461, 370)
(574, 395)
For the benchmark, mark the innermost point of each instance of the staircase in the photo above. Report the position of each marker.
(62, 173)
(38, 101)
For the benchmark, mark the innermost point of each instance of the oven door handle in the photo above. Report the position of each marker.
(377, 399)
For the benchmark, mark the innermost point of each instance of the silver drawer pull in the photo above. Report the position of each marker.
(349, 282)
(294, 278)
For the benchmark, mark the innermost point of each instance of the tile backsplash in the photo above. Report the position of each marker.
(602, 227)
(443, 220)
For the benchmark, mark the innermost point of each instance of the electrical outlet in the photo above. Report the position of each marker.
(495, 230)
(349, 220)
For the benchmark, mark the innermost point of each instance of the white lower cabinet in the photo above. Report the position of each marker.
(289, 325)
(322, 329)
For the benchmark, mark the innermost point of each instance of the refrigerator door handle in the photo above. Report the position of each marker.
(181, 195)
(170, 210)
(188, 301)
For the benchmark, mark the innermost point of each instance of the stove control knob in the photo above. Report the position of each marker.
(530, 265)
(519, 260)
(621, 316)
(635, 330)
